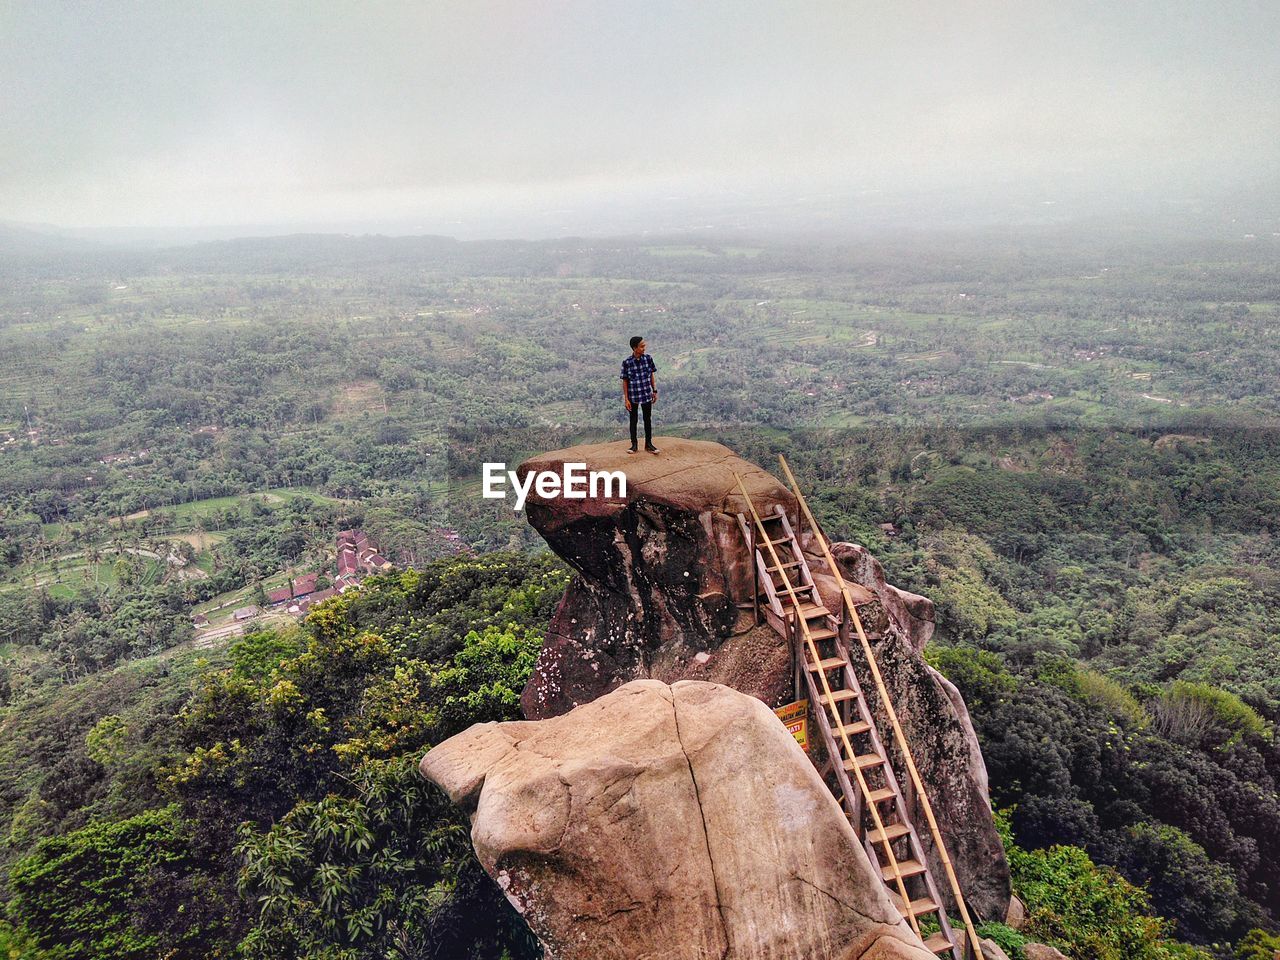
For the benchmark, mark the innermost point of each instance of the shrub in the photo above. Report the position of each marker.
(93, 893)
(979, 674)
(1085, 910)
(1112, 697)
(1185, 883)
(1197, 714)
(1008, 939)
(1258, 945)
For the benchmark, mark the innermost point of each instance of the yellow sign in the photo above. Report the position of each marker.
(795, 717)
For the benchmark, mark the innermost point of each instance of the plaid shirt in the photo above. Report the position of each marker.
(636, 371)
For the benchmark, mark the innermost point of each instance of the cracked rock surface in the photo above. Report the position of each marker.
(677, 821)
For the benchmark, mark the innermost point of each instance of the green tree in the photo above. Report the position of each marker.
(1258, 945)
(100, 891)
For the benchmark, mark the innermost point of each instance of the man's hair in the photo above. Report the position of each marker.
(635, 342)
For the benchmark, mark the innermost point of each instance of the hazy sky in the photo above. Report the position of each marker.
(168, 112)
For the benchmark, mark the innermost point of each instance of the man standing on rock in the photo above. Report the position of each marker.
(639, 391)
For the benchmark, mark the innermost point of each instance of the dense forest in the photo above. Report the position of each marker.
(1069, 444)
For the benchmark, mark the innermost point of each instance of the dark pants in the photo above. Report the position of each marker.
(648, 423)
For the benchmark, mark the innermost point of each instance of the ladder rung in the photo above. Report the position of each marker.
(865, 761)
(821, 633)
(938, 942)
(891, 832)
(800, 590)
(884, 793)
(851, 729)
(906, 868)
(831, 663)
(919, 907)
(838, 696)
(774, 543)
(924, 905)
(811, 611)
(783, 566)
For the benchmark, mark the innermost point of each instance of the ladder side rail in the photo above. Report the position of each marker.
(829, 701)
(762, 574)
(754, 553)
(901, 738)
(900, 804)
(864, 790)
(914, 773)
(899, 800)
(850, 800)
(917, 851)
(808, 580)
(798, 666)
(855, 797)
(775, 601)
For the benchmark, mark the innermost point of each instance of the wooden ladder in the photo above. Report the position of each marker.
(872, 800)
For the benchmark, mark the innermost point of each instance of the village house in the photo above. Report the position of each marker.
(297, 588)
(357, 557)
(356, 552)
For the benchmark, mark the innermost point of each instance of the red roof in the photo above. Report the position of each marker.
(378, 560)
(279, 596)
(305, 584)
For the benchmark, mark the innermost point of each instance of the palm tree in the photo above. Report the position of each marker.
(94, 555)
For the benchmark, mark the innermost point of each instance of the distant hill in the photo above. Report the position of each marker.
(41, 240)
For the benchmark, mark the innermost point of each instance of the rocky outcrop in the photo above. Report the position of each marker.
(663, 581)
(658, 574)
(676, 821)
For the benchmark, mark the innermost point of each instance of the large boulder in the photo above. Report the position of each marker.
(676, 821)
(659, 574)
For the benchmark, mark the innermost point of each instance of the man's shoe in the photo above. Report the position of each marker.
(649, 448)
(631, 450)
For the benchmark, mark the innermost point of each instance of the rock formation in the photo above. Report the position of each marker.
(663, 587)
(664, 821)
(1039, 951)
(658, 574)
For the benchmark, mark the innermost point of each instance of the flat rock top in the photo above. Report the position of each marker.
(695, 475)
